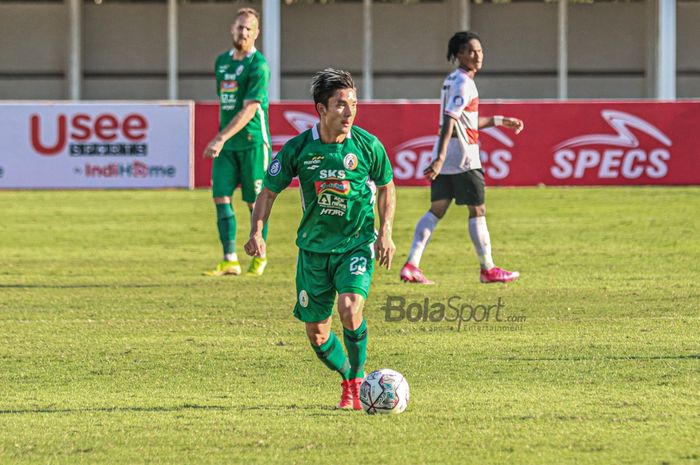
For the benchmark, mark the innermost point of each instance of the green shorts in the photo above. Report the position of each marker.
(321, 275)
(244, 167)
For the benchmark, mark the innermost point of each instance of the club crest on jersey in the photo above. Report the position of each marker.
(350, 161)
(274, 168)
(239, 70)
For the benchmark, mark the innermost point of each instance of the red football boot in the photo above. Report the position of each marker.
(350, 397)
(413, 274)
(498, 275)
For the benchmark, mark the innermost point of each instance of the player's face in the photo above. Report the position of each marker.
(339, 116)
(471, 57)
(244, 31)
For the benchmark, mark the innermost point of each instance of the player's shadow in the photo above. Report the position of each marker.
(76, 286)
(166, 409)
(621, 358)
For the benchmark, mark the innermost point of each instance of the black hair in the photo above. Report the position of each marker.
(458, 41)
(326, 82)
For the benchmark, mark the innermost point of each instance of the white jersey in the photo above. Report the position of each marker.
(460, 100)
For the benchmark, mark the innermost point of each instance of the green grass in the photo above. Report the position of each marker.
(114, 350)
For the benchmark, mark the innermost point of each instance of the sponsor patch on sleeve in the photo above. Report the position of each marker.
(274, 168)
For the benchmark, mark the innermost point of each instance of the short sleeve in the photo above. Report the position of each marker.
(258, 78)
(281, 170)
(459, 96)
(380, 172)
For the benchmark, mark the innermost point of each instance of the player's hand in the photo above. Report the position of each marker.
(384, 249)
(432, 171)
(214, 148)
(255, 247)
(515, 124)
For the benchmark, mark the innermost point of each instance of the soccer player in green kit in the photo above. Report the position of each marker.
(241, 148)
(340, 168)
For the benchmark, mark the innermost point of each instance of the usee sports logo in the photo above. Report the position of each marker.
(414, 156)
(85, 135)
(615, 155)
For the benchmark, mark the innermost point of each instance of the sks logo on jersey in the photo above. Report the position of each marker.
(414, 156)
(611, 156)
(85, 135)
(127, 170)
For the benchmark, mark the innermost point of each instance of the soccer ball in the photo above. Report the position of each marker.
(384, 391)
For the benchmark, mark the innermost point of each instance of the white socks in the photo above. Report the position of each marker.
(479, 234)
(424, 229)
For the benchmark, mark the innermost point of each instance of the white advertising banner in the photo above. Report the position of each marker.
(93, 145)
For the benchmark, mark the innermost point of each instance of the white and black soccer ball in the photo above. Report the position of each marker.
(384, 391)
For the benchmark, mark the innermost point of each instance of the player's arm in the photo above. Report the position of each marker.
(263, 206)
(515, 124)
(386, 206)
(238, 122)
(448, 124)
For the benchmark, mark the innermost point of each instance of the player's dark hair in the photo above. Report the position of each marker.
(248, 12)
(326, 82)
(459, 41)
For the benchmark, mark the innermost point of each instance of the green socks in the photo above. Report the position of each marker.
(356, 344)
(332, 355)
(226, 222)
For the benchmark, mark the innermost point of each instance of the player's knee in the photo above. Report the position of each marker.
(477, 210)
(438, 212)
(350, 309)
(317, 336)
(221, 200)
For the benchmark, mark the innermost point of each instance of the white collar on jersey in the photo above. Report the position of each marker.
(252, 50)
(316, 135)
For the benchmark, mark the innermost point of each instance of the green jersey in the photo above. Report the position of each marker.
(236, 82)
(336, 193)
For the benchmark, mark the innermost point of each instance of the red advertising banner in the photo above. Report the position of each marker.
(577, 143)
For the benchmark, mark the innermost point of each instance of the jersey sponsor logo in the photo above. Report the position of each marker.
(229, 86)
(613, 156)
(332, 212)
(331, 174)
(222, 69)
(334, 186)
(358, 265)
(274, 168)
(350, 161)
(83, 134)
(303, 298)
(314, 162)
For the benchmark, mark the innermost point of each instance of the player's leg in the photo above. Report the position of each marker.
(224, 180)
(315, 296)
(472, 192)
(440, 199)
(352, 273)
(253, 165)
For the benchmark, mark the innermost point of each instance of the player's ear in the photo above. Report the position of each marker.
(321, 109)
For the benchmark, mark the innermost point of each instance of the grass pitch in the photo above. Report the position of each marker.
(115, 350)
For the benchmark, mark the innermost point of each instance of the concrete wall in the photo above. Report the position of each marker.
(125, 48)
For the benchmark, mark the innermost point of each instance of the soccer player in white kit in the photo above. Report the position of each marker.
(456, 172)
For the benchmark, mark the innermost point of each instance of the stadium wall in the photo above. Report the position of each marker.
(125, 48)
